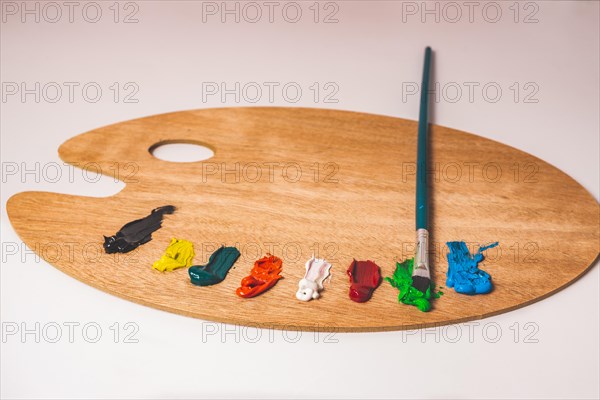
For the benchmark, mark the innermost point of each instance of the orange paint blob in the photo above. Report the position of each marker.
(263, 276)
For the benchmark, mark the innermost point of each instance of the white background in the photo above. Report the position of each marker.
(371, 53)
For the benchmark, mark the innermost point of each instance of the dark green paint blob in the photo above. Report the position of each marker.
(219, 264)
(402, 280)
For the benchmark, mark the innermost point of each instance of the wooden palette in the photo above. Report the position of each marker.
(339, 184)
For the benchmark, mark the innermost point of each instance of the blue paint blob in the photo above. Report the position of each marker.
(463, 274)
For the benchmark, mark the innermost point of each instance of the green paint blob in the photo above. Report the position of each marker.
(402, 280)
(219, 264)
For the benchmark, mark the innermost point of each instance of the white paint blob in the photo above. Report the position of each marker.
(317, 270)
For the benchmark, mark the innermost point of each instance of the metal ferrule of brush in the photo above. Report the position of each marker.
(421, 265)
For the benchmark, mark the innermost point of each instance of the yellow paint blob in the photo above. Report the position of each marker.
(179, 254)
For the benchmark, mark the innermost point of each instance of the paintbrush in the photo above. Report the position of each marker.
(421, 274)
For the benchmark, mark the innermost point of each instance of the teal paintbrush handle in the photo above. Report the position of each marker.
(422, 212)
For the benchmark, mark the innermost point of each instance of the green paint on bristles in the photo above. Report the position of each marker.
(402, 280)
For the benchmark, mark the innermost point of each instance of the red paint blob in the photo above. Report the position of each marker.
(263, 276)
(364, 279)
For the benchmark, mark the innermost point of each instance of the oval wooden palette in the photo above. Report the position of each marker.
(295, 181)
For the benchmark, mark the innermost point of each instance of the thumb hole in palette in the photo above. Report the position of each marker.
(181, 151)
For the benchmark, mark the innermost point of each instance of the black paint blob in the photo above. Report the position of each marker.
(137, 232)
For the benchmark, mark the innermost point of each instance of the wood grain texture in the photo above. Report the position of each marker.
(360, 205)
